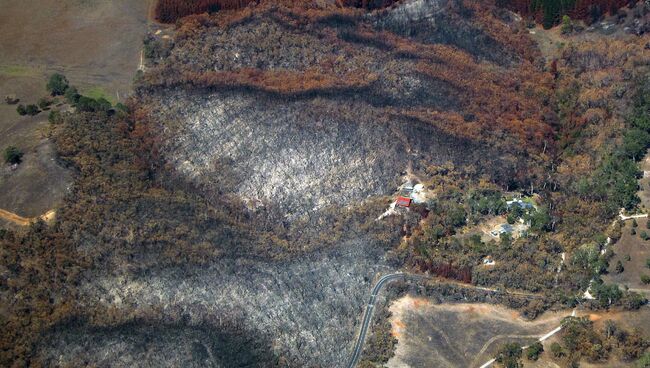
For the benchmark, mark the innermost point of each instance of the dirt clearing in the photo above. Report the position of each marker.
(459, 335)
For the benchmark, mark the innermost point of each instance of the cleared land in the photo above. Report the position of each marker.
(631, 250)
(626, 320)
(458, 335)
(96, 44)
(468, 335)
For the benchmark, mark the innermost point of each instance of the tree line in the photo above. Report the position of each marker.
(550, 12)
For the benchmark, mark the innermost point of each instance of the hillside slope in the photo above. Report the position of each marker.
(320, 106)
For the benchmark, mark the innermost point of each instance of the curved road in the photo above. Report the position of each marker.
(367, 317)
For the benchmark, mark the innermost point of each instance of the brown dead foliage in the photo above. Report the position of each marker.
(274, 81)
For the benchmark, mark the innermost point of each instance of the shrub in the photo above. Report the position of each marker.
(11, 99)
(21, 110)
(71, 95)
(644, 361)
(44, 103)
(556, 350)
(509, 355)
(533, 351)
(567, 26)
(57, 84)
(54, 117)
(619, 267)
(634, 223)
(644, 235)
(633, 301)
(645, 279)
(13, 155)
(88, 104)
(32, 110)
(647, 262)
(606, 294)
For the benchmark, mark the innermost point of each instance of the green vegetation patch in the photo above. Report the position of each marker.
(18, 71)
(97, 92)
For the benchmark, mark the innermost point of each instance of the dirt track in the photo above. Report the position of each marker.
(25, 221)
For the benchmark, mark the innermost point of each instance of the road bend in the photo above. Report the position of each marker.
(370, 308)
(367, 317)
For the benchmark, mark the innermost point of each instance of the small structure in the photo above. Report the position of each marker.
(488, 261)
(403, 201)
(502, 229)
(520, 203)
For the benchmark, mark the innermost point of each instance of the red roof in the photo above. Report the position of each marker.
(403, 201)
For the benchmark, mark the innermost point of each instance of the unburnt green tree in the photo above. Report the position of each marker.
(57, 84)
(13, 155)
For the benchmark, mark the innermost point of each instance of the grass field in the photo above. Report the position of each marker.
(95, 43)
(458, 335)
(97, 92)
(468, 335)
(19, 71)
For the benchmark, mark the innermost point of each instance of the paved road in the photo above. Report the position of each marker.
(370, 308)
(367, 317)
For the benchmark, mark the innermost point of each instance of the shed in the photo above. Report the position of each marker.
(403, 201)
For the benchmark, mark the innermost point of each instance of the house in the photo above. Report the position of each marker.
(520, 203)
(403, 201)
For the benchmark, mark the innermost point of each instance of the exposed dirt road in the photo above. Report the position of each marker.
(25, 221)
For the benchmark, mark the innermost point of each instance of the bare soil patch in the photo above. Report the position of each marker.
(459, 335)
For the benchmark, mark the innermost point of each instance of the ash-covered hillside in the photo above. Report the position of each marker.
(230, 219)
(301, 107)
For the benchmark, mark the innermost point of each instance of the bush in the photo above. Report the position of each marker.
(54, 117)
(11, 99)
(633, 301)
(32, 110)
(21, 110)
(57, 84)
(72, 95)
(88, 104)
(13, 155)
(644, 235)
(567, 26)
(606, 294)
(647, 262)
(644, 361)
(509, 355)
(44, 103)
(619, 267)
(533, 351)
(645, 279)
(556, 350)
